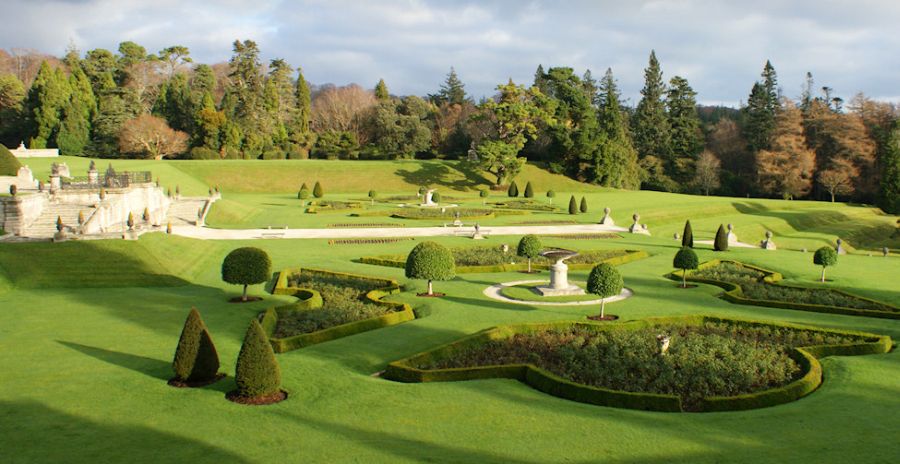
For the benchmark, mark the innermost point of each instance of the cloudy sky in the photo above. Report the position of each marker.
(719, 46)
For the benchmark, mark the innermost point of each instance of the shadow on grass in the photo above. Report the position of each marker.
(436, 174)
(148, 366)
(43, 434)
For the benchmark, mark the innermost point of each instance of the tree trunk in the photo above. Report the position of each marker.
(430, 289)
(602, 307)
(684, 278)
(832, 197)
(823, 274)
(244, 296)
(529, 265)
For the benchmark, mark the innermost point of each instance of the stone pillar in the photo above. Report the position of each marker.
(840, 247)
(732, 238)
(768, 244)
(55, 183)
(559, 276)
(607, 219)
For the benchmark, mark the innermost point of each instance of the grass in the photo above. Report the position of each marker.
(524, 292)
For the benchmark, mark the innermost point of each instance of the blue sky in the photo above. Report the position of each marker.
(719, 46)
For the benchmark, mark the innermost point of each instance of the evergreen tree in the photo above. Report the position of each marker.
(75, 128)
(590, 86)
(318, 191)
(243, 102)
(301, 129)
(573, 206)
(889, 194)
(196, 359)
(649, 124)
(257, 373)
(574, 135)
(540, 79)
(47, 98)
(686, 137)
(687, 236)
(453, 90)
(721, 241)
(583, 206)
(513, 190)
(618, 166)
(529, 191)
(760, 112)
(381, 91)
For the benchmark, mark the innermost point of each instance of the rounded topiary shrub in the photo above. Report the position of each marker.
(513, 190)
(687, 237)
(257, 373)
(246, 266)
(721, 241)
(430, 261)
(529, 191)
(529, 247)
(825, 256)
(373, 195)
(9, 164)
(604, 281)
(303, 193)
(436, 196)
(318, 191)
(483, 193)
(550, 195)
(573, 206)
(196, 360)
(685, 259)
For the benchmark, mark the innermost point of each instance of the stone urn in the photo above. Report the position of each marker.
(559, 274)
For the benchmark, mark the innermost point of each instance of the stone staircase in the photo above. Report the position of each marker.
(45, 225)
(183, 212)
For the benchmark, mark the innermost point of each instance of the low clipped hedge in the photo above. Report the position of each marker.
(329, 206)
(311, 299)
(399, 261)
(734, 294)
(811, 378)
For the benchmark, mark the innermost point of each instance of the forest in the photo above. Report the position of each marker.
(135, 104)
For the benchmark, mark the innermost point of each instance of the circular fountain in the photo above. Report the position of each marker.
(559, 275)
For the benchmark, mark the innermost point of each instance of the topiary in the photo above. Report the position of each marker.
(146, 215)
(825, 256)
(529, 192)
(303, 193)
(513, 190)
(257, 373)
(318, 192)
(685, 259)
(372, 195)
(687, 237)
(169, 228)
(483, 194)
(550, 195)
(59, 224)
(430, 261)
(196, 359)
(9, 164)
(81, 218)
(573, 207)
(604, 281)
(583, 207)
(246, 266)
(13, 189)
(130, 221)
(436, 197)
(721, 241)
(529, 247)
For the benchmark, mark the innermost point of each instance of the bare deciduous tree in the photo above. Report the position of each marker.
(151, 136)
(838, 179)
(706, 172)
(342, 109)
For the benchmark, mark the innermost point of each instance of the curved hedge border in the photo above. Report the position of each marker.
(734, 294)
(540, 379)
(311, 299)
(400, 262)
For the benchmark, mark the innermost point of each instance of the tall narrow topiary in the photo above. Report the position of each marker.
(246, 266)
(685, 259)
(318, 192)
(257, 373)
(529, 247)
(196, 360)
(430, 261)
(687, 237)
(303, 193)
(146, 215)
(130, 221)
(825, 256)
(436, 197)
(513, 190)
(721, 241)
(13, 189)
(583, 206)
(604, 281)
(573, 207)
(529, 191)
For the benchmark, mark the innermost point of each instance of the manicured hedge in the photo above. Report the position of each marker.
(734, 294)
(311, 299)
(405, 371)
(399, 261)
(328, 206)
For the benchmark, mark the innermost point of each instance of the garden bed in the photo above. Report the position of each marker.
(526, 292)
(527, 205)
(330, 305)
(746, 284)
(330, 206)
(712, 364)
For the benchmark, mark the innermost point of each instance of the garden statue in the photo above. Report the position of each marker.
(732, 238)
(663, 341)
(607, 219)
(559, 275)
(638, 228)
(767, 244)
(885, 251)
(840, 247)
(428, 198)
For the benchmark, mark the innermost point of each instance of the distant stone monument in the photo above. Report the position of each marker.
(732, 237)
(840, 247)
(767, 244)
(607, 219)
(885, 251)
(638, 228)
(675, 236)
(559, 275)
(477, 235)
(428, 198)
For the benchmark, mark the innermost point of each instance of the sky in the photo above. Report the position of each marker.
(720, 47)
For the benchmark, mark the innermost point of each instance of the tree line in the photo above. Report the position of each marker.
(138, 104)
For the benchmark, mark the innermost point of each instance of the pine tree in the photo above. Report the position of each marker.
(889, 193)
(529, 191)
(760, 112)
(540, 79)
(590, 86)
(453, 90)
(257, 373)
(75, 128)
(46, 101)
(650, 125)
(301, 126)
(686, 136)
(381, 91)
(619, 166)
(196, 359)
(687, 236)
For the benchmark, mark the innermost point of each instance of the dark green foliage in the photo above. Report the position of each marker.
(650, 124)
(573, 206)
(246, 266)
(318, 192)
(513, 190)
(529, 247)
(373, 195)
(759, 114)
(381, 91)
(604, 281)
(196, 359)
(618, 160)
(583, 207)
(204, 153)
(686, 135)
(685, 259)
(430, 261)
(47, 98)
(436, 197)
(257, 373)
(452, 90)
(687, 236)
(550, 195)
(303, 193)
(825, 256)
(721, 241)
(13, 189)
(400, 129)
(529, 191)
(889, 193)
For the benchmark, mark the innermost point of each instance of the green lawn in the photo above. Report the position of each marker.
(525, 292)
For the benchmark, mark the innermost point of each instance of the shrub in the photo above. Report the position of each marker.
(825, 256)
(204, 153)
(687, 237)
(318, 192)
(550, 195)
(257, 373)
(303, 194)
(685, 259)
(483, 194)
(13, 189)
(529, 191)
(573, 207)
(604, 281)
(430, 261)
(196, 359)
(274, 155)
(9, 164)
(583, 207)
(146, 215)
(513, 190)
(373, 195)
(130, 221)
(721, 241)
(246, 266)
(436, 197)
(529, 247)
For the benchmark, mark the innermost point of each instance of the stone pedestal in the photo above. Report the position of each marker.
(607, 219)
(559, 282)
(767, 244)
(840, 247)
(638, 228)
(732, 237)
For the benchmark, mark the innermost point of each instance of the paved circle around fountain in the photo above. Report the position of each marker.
(493, 292)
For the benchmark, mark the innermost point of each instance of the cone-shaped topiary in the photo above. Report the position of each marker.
(246, 266)
(169, 228)
(687, 237)
(9, 164)
(430, 261)
(825, 256)
(685, 259)
(318, 192)
(529, 247)
(529, 191)
(257, 373)
(573, 207)
(130, 221)
(59, 224)
(436, 196)
(146, 215)
(583, 206)
(196, 359)
(721, 241)
(513, 190)
(303, 194)
(13, 189)
(604, 281)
